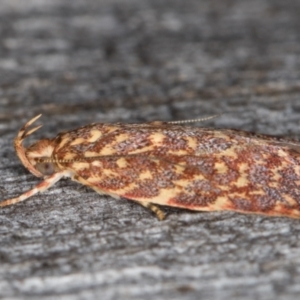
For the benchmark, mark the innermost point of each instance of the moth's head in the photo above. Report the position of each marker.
(39, 156)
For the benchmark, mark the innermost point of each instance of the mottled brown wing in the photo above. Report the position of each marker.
(253, 179)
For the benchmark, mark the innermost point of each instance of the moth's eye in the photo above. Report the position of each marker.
(46, 168)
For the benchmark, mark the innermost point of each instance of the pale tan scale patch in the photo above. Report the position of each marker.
(187, 182)
(295, 213)
(62, 143)
(280, 207)
(290, 200)
(231, 152)
(192, 142)
(164, 195)
(179, 169)
(183, 182)
(93, 180)
(142, 150)
(109, 173)
(242, 181)
(221, 135)
(224, 187)
(220, 204)
(276, 176)
(121, 138)
(91, 154)
(282, 153)
(122, 162)
(157, 138)
(178, 152)
(297, 171)
(77, 141)
(244, 168)
(111, 128)
(146, 175)
(97, 163)
(80, 165)
(107, 150)
(69, 156)
(122, 191)
(95, 135)
(221, 168)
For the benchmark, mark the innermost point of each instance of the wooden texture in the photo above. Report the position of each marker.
(78, 62)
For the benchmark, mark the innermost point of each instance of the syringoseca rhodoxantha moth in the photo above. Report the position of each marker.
(169, 164)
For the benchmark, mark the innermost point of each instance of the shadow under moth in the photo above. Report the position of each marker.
(170, 164)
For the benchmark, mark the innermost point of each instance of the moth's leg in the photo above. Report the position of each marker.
(39, 188)
(154, 208)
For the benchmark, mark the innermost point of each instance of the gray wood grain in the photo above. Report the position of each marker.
(87, 61)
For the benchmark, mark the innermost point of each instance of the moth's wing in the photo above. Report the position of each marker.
(137, 177)
(243, 180)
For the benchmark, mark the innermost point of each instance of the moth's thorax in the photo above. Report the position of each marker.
(39, 155)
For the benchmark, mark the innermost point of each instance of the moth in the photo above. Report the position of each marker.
(166, 163)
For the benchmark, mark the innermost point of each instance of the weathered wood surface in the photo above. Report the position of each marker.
(134, 60)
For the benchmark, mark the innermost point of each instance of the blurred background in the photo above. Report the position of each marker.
(79, 62)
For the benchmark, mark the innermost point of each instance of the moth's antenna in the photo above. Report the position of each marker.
(194, 120)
